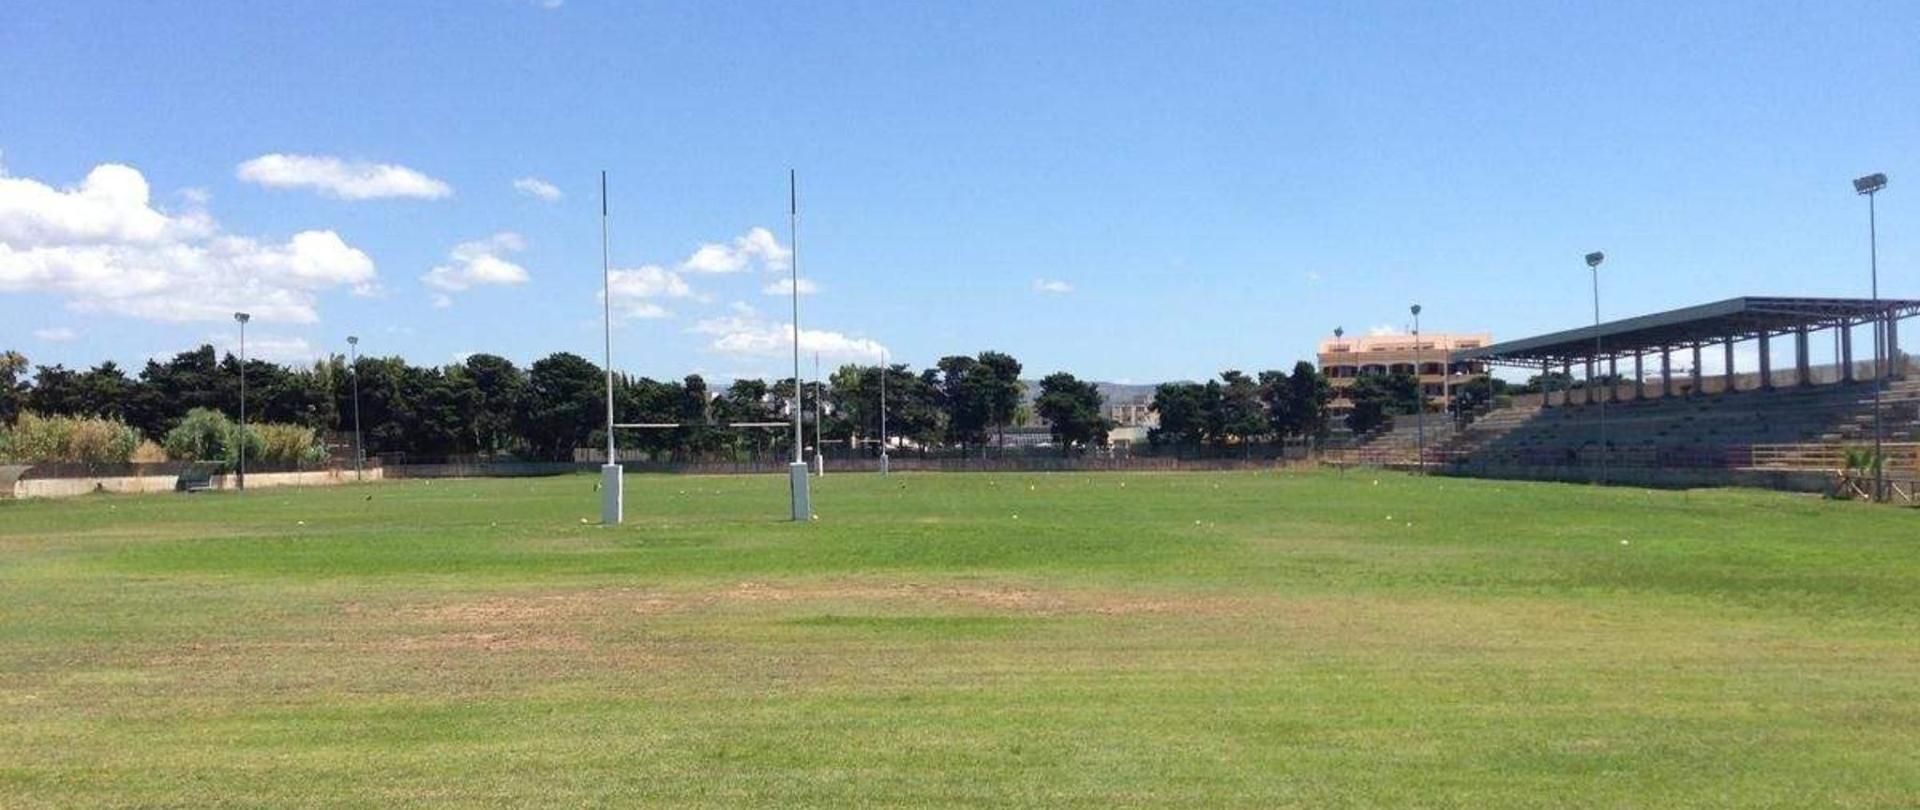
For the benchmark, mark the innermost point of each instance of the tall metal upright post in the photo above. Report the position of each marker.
(1420, 397)
(359, 450)
(240, 441)
(819, 424)
(797, 471)
(883, 411)
(1871, 185)
(612, 482)
(1593, 264)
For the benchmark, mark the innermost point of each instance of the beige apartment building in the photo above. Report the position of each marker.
(1344, 359)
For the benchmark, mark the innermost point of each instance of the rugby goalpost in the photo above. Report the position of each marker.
(612, 481)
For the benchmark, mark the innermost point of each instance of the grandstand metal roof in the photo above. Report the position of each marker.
(1733, 319)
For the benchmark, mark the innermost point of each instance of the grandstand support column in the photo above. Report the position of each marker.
(1846, 352)
(1729, 372)
(1546, 384)
(1566, 370)
(1766, 361)
(1802, 365)
(1893, 346)
(1591, 379)
(1666, 372)
(1696, 367)
(1613, 379)
(1639, 375)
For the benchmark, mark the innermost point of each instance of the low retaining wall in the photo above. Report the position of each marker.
(83, 485)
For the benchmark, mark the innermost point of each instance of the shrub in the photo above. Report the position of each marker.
(208, 435)
(36, 438)
(202, 435)
(289, 443)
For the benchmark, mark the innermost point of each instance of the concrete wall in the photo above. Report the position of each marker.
(68, 487)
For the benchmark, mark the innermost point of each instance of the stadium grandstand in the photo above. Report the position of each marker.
(1668, 420)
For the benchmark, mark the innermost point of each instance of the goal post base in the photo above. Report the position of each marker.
(612, 494)
(802, 501)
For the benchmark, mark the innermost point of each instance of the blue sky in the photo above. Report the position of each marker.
(1126, 191)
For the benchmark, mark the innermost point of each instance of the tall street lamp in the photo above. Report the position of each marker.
(241, 440)
(1870, 186)
(1593, 265)
(1420, 396)
(359, 451)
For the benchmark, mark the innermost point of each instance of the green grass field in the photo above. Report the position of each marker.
(1258, 639)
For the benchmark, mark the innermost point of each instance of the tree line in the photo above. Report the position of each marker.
(486, 404)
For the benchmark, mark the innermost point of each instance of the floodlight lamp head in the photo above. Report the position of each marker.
(1416, 309)
(242, 317)
(1595, 258)
(1339, 332)
(353, 340)
(1869, 184)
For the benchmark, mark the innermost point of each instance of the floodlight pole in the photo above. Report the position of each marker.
(1420, 397)
(1593, 264)
(241, 439)
(612, 480)
(1870, 186)
(797, 471)
(883, 411)
(359, 452)
(819, 424)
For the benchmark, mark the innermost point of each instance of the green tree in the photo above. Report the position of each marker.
(1073, 412)
(56, 392)
(1242, 414)
(1182, 414)
(1379, 397)
(170, 389)
(13, 389)
(1002, 389)
(565, 404)
(500, 390)
(963, 399)
(104, 391)
(1297, 402)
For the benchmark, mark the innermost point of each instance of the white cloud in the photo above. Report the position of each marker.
(347, 180)
(641, 310)
(1051, 286)
(1312, 277)
(477, 263)
(785, 287)
(549, 5)
(633, 289)
(58, 334)
(536, 187)
(746, 334)
(1383, 331)
(757, 250)
(104, 247)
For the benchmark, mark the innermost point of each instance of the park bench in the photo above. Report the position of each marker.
(195, 478)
